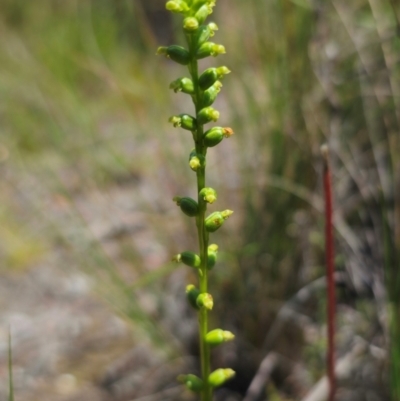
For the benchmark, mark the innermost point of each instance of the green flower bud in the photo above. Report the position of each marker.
(214, 136)
(203, 12)
(205, 300)
(177, 6)
(212, 251)
(192, 382)
(218, 336)
(208, 114)
(212, 248)
(208, 78)
(220, 376)
(176, 53)
(210, 95)
(211, 75)
(205, 32)
(208, 194)
(216, 219)
(188, 205)
(212, 256)
(190, 24)
(192, 293)
(184, 121)
(209, 49)
(188, 258)
(184, 85)
(197, 161)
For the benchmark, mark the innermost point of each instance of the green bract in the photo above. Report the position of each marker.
(203, 88)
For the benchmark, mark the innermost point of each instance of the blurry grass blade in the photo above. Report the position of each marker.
(10, 376)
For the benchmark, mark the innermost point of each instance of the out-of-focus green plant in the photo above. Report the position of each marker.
(10, 374)
(203, 88)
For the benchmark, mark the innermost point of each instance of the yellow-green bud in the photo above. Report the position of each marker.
(209, 49)
(212, 26)
(177, 6)
(212, 256)
(188, 258)
(197, 161)
(192, 293)
(220, 376)
(203, 34)
(176, 53)
(203, 12)
(216, 219)
(184, 121)
(208, 194)
(184, 85)
(218, 336)
(190, 24)
(205, 300)
(215, 135)
(210, 95)
(192, 382)
(207, 114)
(213, 248)
(188, 205)
(211, 75)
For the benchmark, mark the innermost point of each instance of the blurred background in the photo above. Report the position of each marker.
(89, 165)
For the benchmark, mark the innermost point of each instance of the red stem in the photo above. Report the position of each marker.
(330, 269)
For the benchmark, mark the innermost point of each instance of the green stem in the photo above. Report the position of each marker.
(201, 230)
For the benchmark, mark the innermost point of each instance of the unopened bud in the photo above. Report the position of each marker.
(205, 300)
(192, 382)
(215, 135)
(184, 85)
(208, 194)
(197, 161)
(211, 75)
(218, 336)
(176, 53)
(212, 256)
(184, 121)
(210, 95)
(203, 12)
(210, 49)
(220, 376)
(177, 6)
(216, 219)
(192, 293)
(188, 258)
(188, 205)
(190, 24)
(207, 114)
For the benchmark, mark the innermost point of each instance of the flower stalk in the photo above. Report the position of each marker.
(203, 87)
